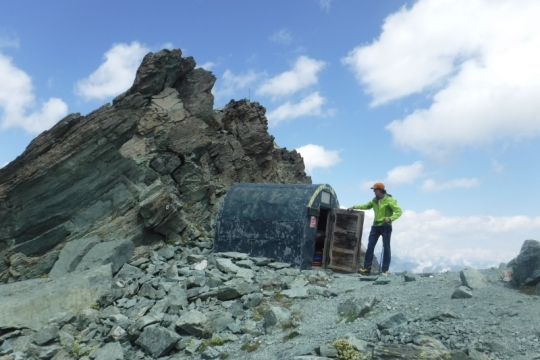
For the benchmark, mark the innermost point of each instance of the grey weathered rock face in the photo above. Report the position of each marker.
(151, 166)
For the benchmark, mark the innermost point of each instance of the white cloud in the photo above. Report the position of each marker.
(282, 37)
(207, 65)
(405, 174)
(479, 58)
(325, 4)
(18, 104)
(303, 75)
(230, 84)
(433, 239)
(311, 105)
(316, 156)
(115, 75)
(431, 185)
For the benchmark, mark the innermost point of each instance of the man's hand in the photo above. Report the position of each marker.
(386, 219)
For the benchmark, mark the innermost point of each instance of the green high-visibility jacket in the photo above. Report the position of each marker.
(387, 207)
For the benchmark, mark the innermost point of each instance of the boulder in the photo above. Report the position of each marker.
(526, 267)
(227, 266)
(111, 351)
(193, 323)
(274, 317)
(473, 279)
(462, 292)
(392, 321)
(30, 303)
(71, 255)
(157, 341)
(116, 253)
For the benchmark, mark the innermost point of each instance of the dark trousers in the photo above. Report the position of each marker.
(386, 232)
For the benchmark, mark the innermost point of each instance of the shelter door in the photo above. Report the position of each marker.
(343, 240)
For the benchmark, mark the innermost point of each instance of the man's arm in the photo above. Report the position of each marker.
(367, 206)
(396, 209)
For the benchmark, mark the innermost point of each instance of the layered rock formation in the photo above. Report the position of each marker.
(152, 166)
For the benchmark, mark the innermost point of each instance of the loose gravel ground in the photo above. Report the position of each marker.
(499, 319)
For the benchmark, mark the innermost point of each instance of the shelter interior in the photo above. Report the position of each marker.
(320, 239)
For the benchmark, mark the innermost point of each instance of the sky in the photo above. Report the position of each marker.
(438, 99)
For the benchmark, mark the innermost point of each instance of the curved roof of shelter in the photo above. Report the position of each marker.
(273, 202)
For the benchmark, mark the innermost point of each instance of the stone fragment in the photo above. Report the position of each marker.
(278, 265)
(369, 278)
(227, 266)
(46, 334)
(409, 277)
(462, 292)
(195, 258)
(248, 264)
(252, 300)
(251, 327)
(193, 346)
(217, 322)
(473, 279)
(116, 253)
(71, 255)
(233, 255)
(299, 350)
(429, 342)
(357, 307)
(392, 321)
(167, 252)
(357, 344)
(210, 353)
(117, 333)
(192, 322)
(296, 292)
(261, 261)
(246, 274)
(274, 317)
(157, 341)
(111, 351)
(236, 291)
(328, 351)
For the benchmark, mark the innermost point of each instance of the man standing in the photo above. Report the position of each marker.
(386, 210)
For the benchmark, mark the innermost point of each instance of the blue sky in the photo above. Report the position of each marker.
(438, 99)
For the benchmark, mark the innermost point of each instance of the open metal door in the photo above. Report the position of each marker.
(343, 240)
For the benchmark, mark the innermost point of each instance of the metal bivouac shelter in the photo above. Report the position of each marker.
(300, 224)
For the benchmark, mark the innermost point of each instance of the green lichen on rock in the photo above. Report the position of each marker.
(345, 350)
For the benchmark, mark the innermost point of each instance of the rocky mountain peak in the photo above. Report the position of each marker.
(151, 166)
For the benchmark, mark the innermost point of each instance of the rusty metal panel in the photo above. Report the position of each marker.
(344, 240)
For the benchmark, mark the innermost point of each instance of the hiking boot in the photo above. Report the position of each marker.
(386, 273)
(365, 271)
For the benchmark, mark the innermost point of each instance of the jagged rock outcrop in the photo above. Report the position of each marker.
(152, 166)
